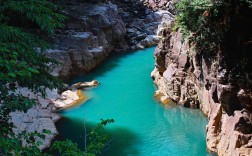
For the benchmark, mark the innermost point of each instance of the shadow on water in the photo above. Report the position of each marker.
(121, 143)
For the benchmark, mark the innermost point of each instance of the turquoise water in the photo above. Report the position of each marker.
(142, 127)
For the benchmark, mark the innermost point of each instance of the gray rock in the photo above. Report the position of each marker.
(80, 51)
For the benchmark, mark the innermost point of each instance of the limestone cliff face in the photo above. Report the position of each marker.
(94, 31)
(160, 4)
(141, 22)
(91, 33)
(211, 84)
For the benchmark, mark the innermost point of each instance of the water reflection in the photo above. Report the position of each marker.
(122, 139)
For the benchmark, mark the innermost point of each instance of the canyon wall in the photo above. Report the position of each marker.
(91, 32)
(208, 83)
(94, 30)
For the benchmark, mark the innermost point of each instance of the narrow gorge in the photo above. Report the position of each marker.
(172, 87)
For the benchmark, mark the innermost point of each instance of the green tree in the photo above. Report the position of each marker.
(24, 64)
(95, 142)
(205, 22)
(23, 25)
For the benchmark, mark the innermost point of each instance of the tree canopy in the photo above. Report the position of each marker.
(23, 26)
(218, 25)
(208, 20)
(24, 64)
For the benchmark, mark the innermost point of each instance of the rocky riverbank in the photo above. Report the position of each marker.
(44, 114)
(93, 31)
(194, 81)
(38, 117)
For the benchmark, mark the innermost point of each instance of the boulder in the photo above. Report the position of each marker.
(81, 85)
(66, 99)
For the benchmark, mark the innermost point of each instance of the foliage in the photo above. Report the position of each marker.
(67, 148)
(12, 144)
(214, 26)
(97, 142)
(22, 56)
(248, 2)
(205, 22)
(41, 12)
(97, 139)
(23, 64)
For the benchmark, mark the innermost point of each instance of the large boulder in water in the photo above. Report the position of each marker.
(81, 85)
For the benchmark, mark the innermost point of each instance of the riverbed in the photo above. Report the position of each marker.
(143, 126)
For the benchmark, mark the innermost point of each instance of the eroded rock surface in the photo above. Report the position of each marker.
(95, 30)
(42, 116)
(196, 81)
(160, 4)
(92, 32)
(142, 22)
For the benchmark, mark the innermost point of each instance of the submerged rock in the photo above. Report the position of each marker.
(164, 99)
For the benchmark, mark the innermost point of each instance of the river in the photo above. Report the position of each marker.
(143, 126)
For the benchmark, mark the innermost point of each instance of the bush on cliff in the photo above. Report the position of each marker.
(204, 21)
(219, 26)
(207, 21)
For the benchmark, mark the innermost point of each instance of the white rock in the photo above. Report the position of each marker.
(164, 99)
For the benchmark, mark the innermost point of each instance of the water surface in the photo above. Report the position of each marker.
(142, 127)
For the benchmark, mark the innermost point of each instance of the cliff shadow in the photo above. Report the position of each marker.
(122, 139)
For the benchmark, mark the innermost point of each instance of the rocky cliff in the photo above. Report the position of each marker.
(219, 85)
(92, 31)
(95, 30)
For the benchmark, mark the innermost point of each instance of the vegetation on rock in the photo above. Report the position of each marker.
(211, 25)
(207, 20)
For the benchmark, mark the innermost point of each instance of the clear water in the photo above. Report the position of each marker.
(142, 127)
